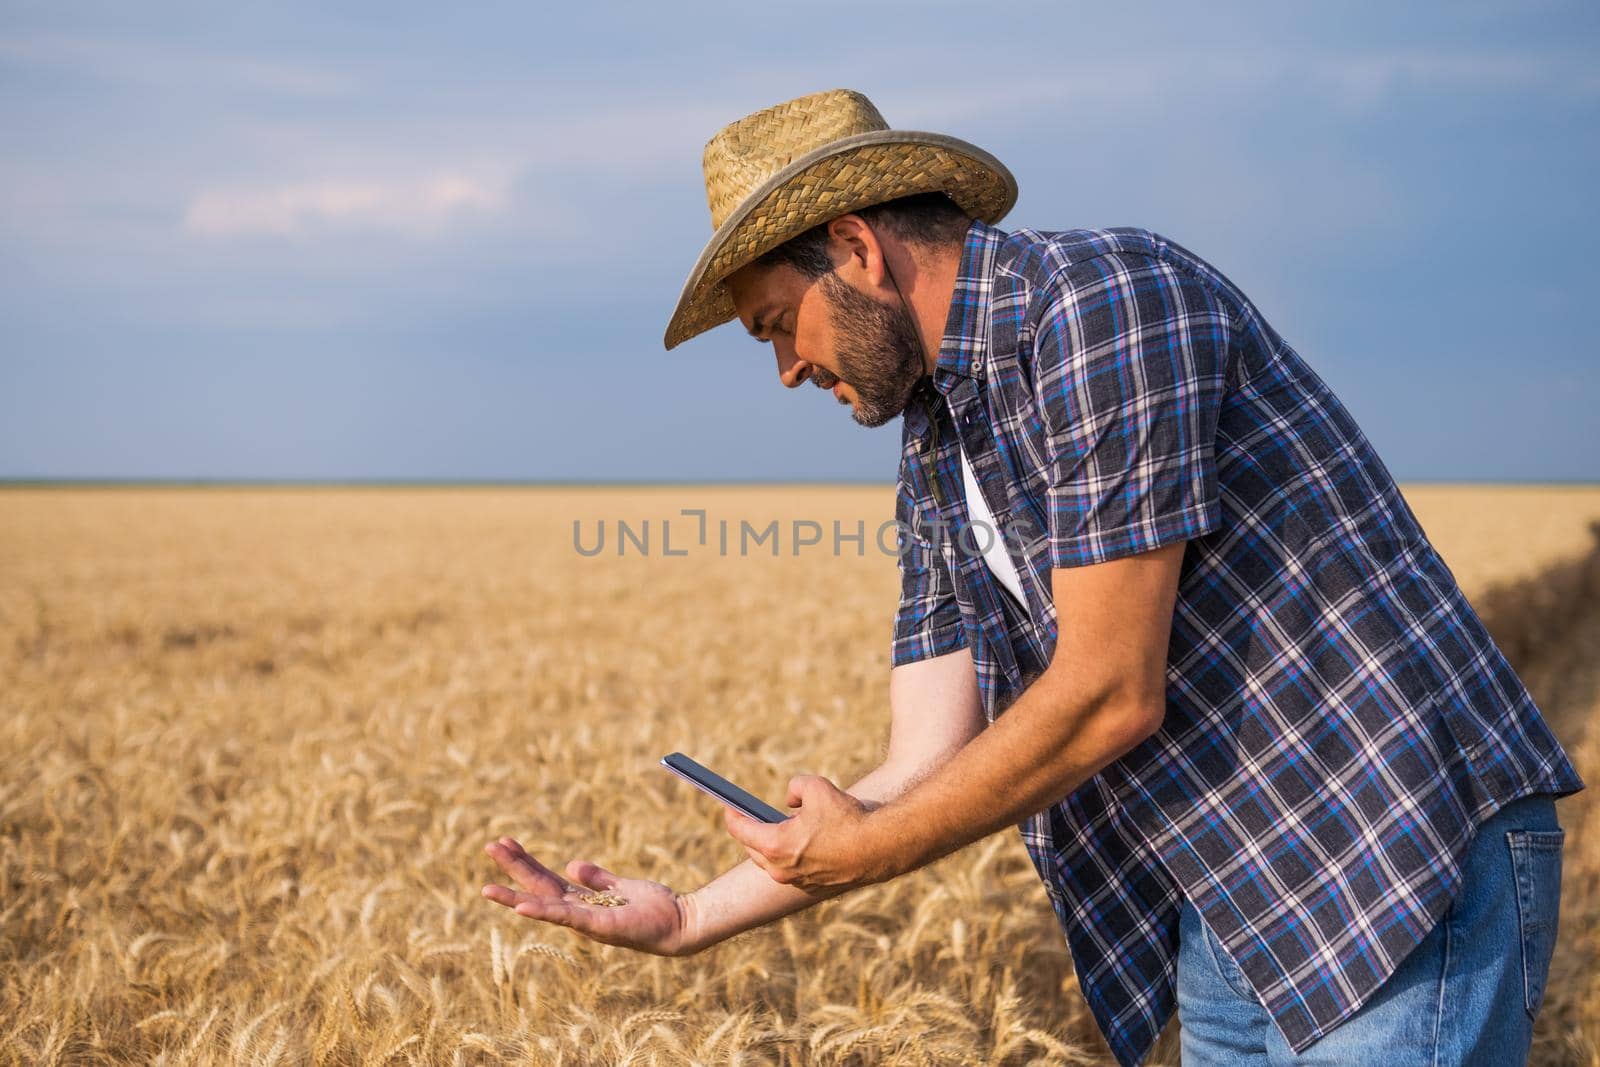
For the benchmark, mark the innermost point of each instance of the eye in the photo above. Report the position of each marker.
(778, 327)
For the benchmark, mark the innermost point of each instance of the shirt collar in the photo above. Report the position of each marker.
(966, 327)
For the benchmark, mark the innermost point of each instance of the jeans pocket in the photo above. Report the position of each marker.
(1227, 970)
(1536, 866)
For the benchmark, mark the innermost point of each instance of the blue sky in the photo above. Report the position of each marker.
(443, 241)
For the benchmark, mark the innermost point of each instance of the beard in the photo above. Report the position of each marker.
(880, 352)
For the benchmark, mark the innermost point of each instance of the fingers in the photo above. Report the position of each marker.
(760, 840)
(505, 895)
(526, 871)
(592, 875)
(763, 842)
(538, 881)
(582, 918)
(551, 909)
(743, 829)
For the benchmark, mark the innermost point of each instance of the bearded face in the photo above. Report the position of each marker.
(879, 352)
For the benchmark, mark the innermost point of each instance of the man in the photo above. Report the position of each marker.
(1272, 770)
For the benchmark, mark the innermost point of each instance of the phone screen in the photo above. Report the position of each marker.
(721, 788)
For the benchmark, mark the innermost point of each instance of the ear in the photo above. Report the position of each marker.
(862, 249)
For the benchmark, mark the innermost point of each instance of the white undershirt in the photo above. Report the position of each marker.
(995, 553)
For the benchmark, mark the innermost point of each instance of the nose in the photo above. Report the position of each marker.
(792, 370)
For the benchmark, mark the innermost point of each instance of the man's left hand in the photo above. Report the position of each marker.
(828, 846)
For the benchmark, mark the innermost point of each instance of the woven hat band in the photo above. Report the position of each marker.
(866, 175)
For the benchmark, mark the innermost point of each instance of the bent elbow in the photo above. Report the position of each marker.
(1155, 713)
(1132, 724)
(1116, 714)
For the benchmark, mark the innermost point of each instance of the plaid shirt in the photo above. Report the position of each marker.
(1338, 720)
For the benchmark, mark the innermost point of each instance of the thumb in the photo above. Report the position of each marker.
(799, 785)
(591, 874)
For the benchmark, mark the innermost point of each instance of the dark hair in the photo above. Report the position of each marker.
(928, 219)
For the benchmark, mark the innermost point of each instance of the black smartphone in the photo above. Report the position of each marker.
(721, 788)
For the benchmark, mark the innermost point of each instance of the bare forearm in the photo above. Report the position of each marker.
(745, 897)
(1053, 739)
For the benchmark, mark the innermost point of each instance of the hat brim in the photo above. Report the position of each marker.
(842, 176)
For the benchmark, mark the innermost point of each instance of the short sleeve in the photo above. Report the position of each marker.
(1130, 360)
(928, 620)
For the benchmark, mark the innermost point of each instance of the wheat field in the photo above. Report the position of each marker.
(255, 740)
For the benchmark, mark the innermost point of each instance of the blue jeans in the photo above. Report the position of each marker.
(1467, 994)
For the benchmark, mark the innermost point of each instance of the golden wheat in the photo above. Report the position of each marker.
(255, 741)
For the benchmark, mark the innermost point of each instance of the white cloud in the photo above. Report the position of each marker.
(345, 181)
(420, 207)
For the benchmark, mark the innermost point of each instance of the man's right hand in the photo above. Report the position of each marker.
(655, 919)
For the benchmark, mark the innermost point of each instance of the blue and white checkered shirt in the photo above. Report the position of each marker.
(1338, 720)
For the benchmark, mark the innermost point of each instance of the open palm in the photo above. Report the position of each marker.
(651, 919)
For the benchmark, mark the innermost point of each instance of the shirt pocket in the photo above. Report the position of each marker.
(1536, 866)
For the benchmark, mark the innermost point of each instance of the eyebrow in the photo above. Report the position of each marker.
(756, 328)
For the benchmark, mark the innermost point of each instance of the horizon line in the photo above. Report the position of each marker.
(573, 483)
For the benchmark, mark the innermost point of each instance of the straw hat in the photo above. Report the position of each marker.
(778, 172)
